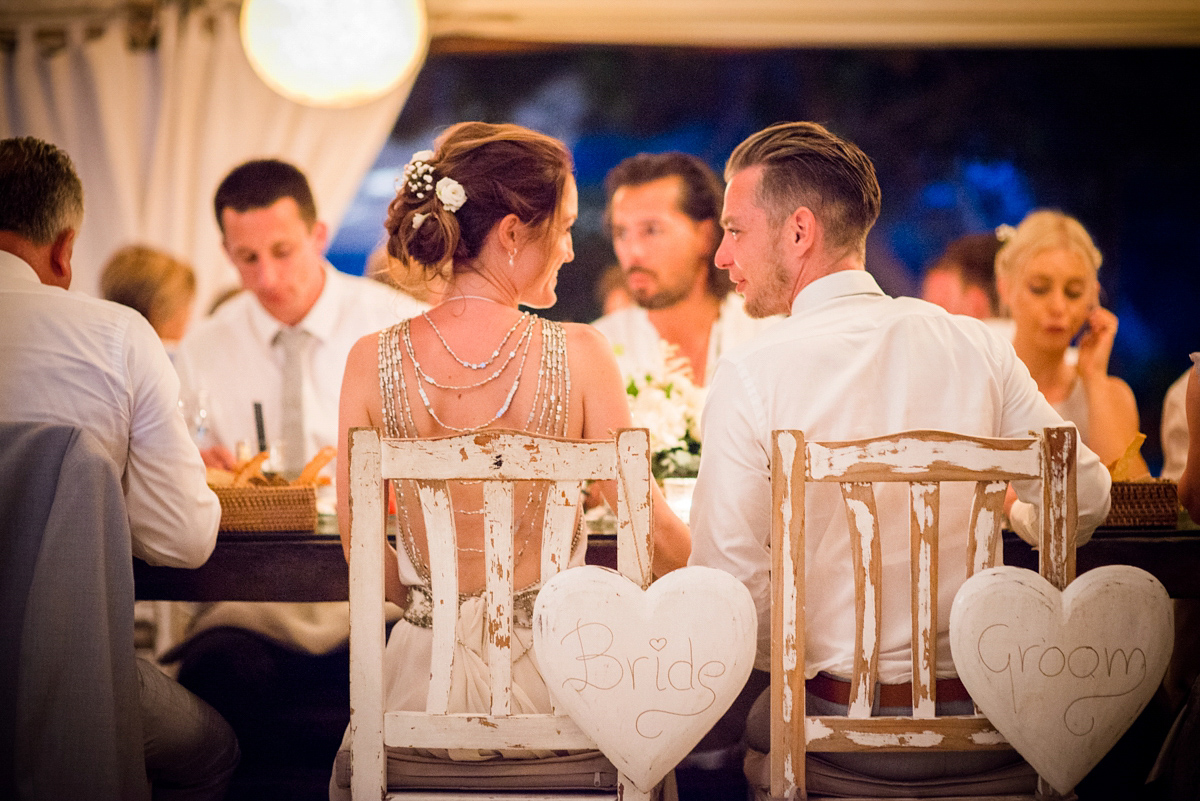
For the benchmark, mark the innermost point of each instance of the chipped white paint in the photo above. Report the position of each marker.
(862, 519)
(912, 455)
(645, 673)
(991, 737)
(787, 449)
(815, 730)
(925, 499)
(925, 637)
(918, 457)
(922, 739)
(366, 629)
(1062, 674)
(495, 458)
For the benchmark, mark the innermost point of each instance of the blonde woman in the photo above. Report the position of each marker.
(1046, 276)
(154, 283)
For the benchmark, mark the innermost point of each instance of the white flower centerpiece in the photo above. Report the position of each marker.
(669, 406)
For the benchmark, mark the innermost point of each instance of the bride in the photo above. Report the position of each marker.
(490, 212)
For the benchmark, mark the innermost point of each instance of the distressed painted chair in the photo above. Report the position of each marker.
(922, 459)
(497, 459)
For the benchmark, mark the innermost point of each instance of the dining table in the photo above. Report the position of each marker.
(310, 566)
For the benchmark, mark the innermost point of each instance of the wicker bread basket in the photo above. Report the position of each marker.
(267, 508)
(1143, 504)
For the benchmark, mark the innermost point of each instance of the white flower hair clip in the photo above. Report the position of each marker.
(1005, 232)
(418, 218)
(451, 193)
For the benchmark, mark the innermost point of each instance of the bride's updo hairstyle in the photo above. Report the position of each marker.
(492, 171)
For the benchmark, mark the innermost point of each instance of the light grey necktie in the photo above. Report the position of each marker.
(294, 342)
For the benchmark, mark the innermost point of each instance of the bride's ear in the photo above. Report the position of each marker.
(510, 229)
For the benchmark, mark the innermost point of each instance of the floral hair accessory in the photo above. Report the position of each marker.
(418, 173)
(418, 218)
(451, 193)
(1005, 232)
(418, 178)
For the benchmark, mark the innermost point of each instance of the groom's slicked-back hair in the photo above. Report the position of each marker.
(806, 165)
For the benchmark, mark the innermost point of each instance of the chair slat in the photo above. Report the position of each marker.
(787, 611)
(924, 456)
(548, 732)
(443, 572)
(1060, 513)
(497, 455)
(868, 608)
(924, 577)
(562, 514)
(498, 595)
(635, 542)
(367, 516)
(957, 733)
(983, 534)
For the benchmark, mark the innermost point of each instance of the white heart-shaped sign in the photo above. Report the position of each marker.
(1062, 675)
(645, 674)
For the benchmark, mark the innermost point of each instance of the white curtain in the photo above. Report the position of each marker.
(152, 132)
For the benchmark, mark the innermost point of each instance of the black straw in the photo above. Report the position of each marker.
(262, 430)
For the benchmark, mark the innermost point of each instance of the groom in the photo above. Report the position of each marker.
(849, 362)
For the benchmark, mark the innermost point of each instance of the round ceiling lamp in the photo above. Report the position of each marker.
(334, 53)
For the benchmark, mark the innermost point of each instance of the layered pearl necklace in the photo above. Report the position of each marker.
(550, 394)
(486, 362)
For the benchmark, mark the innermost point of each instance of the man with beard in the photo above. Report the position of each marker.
(848, 363)
(662, 213)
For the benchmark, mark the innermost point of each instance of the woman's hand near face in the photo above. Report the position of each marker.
(1095, 346)
(1112, 407)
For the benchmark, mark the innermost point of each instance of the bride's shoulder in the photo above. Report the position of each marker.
(587, 338)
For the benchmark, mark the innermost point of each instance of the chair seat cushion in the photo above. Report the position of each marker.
(823, 778)
(588, 770)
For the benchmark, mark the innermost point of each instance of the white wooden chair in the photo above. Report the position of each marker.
(497, 459)
(921, 459)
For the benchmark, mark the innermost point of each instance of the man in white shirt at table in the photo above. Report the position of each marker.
(848, 363)
(662, 213)
(260, 664)
(76, 360)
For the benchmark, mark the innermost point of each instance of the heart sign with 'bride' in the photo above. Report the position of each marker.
(1061, 675)
(645, 674)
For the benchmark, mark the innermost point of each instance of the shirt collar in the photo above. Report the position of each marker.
(835, 285)
(14, 267)
(320, 320)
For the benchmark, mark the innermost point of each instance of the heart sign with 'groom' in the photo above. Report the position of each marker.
(645, 674)
(1061, 675)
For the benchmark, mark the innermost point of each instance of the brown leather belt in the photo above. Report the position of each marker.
(837, 691)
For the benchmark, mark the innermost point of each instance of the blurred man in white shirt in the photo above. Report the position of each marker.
(266, 666)
(662, 212)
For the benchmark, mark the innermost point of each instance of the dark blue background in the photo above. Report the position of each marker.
(963, 140)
